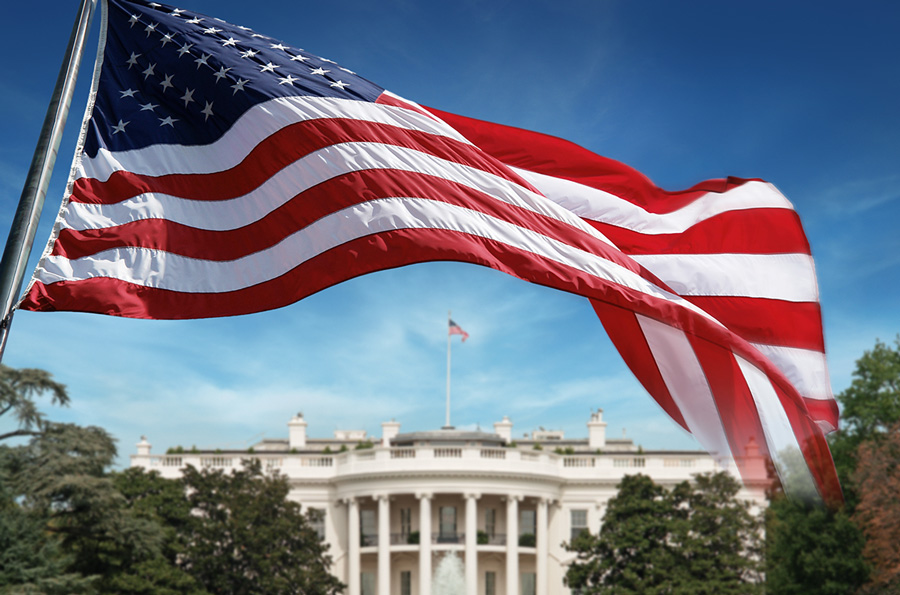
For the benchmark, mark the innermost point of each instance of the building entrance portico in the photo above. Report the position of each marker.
(415, 531)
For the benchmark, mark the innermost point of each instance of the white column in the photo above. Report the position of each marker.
(424, 543)
(512, 544)
(384, 544)
(353, 559)
(543, 552)
(472, 542)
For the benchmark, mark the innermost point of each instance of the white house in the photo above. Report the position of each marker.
(409, 510)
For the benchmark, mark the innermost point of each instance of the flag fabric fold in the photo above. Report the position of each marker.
(222, 172)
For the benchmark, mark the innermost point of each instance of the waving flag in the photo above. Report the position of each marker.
(222, 172)
(455, 329)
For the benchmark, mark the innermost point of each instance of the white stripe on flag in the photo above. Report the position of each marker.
(788, 277)
(598, 205)
(806, 369)
(152, 268)
(782, 442)
(686, 381)
(303, 174)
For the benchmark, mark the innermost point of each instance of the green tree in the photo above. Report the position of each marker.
(245, 536)
(871, 404)
(60, 480)
(30, 561)
(18, 390)
(811, 549)
(630, 554)
(716, 539)
(697, 538)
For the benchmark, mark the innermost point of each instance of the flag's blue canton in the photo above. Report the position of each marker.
(174, 76)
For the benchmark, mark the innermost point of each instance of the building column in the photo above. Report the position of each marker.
(543, 551)
(353, 558)
(512, 544)
(472, 542)
(384, 544)
(424, 542)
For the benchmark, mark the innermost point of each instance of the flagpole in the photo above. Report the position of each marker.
(31, 202)
(447, 424)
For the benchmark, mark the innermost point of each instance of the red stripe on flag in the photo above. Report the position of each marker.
(748, 231)
(773, 322)
(317, 202)
(277, 152)
(560, 158)
(625, 332)
(737, 411)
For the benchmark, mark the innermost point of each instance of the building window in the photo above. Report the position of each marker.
(490, 583)
(448, 524)
(368, 528)
(405, 522)
(316, 518)
(527, 583)
(367, 583)
(526, 522)
(405, 582)
(578, 523)
(490, 522)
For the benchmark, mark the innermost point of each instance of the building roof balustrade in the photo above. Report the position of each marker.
(454, 460)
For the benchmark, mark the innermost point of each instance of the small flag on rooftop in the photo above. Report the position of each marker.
(455, 329)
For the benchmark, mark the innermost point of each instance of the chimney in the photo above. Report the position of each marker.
(389, 430)
(143, 447)
(504, 429)
(596, 430)
(297, 432)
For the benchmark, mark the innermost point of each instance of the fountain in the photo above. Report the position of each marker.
(449, 578)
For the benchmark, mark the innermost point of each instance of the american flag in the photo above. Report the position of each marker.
(223, 172)
(455, 329)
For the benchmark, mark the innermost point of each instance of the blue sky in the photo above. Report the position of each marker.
(804, 95)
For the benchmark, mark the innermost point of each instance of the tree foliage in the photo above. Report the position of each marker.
(697, 538)
(811, 549)
(245, 536)
(18, 390)
(871, 404)
(69, 525)
(878, 514)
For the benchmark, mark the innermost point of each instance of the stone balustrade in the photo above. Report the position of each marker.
(668, 466)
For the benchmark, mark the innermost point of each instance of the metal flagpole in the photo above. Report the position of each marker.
(28, 213)
(447, 425)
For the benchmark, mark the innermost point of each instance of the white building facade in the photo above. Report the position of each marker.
(395, 510)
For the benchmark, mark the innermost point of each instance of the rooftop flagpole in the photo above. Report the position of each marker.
(31, 202)
(447, 424)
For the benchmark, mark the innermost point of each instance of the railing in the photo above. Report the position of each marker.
(638, 462)
(579, 462)
(403, 453)
(495, 539)
(683, 463)
(216, 461)
(486, 459)
(317, 462)
(412, 538)
(368, 540)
